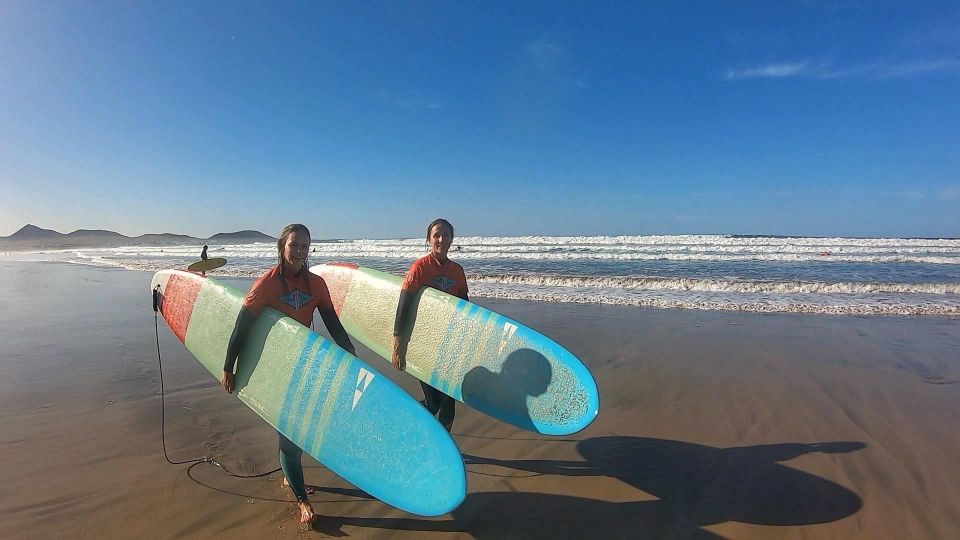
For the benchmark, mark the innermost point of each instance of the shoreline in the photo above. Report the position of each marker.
(712, 424)
(666, 304)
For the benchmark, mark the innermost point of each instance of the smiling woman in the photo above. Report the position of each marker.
(293, 248)
(433, 270)
(294, 292)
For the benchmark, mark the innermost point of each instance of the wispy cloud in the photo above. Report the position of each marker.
(545, 61)
(944, 34)
(769, 71)
(951, 193)
(946, 193)
(914, 68)
(544, 54)
(541, 80)
(408, 102)
(807, 69)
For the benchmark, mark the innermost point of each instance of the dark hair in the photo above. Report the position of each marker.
(439, 221)
(284, 234)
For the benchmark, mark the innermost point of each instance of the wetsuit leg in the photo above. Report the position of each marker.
(290, 455)
(439, 404)
(431, 398)
(447, 411)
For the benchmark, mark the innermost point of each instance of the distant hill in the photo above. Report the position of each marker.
(165, 238)
(86, 233)
(32, 232)
(32, 237)
(255, 236)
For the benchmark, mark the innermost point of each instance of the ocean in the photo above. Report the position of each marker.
(843, 276)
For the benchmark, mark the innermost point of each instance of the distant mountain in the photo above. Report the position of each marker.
(31, 237)
(32, 232)
(86, 233)
(255, 236)
(165, 238)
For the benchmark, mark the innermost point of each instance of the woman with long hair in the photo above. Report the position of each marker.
(291, 289)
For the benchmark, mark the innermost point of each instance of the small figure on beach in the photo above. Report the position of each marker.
(203, 253)
(290, 288)
(432, 270)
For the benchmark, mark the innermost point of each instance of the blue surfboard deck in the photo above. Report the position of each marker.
(331, 404)
(488, 361)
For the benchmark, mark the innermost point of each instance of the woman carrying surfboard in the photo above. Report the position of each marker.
(289, 288)
(432, 270)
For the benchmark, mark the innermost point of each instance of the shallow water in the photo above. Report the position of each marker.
(855, 276)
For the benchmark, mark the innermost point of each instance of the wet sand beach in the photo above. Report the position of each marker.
(711, 425)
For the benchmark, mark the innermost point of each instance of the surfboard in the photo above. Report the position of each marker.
(486, 360)
(209, 264)
(331, 404)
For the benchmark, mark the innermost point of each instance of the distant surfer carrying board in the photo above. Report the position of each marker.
(289, 288)
(432, 270)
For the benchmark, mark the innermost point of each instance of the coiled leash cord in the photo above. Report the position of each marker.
(157, 301)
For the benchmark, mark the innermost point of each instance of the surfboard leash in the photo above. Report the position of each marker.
(157, 300)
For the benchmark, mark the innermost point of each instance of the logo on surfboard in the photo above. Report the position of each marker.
(363, 381)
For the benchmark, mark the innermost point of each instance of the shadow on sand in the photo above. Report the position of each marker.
(695, 485)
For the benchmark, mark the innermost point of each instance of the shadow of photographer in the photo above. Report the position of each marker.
(695, 486)
(524, 373)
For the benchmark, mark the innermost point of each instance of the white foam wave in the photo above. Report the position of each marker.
(608, 248)
(717, 285)
(693, 240)
(842, 298)
(770, 305)
(353, 252)
(818, 287)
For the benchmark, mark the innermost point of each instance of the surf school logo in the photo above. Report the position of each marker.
(443, 282)
(363, 381)
(296, 298)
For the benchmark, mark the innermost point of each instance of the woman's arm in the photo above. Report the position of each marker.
(245, 320)
(401, 329)
(335, 327)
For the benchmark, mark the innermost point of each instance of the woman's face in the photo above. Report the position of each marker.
(295, 251)
(440, 240)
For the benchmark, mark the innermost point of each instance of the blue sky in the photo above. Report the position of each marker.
(368, 120)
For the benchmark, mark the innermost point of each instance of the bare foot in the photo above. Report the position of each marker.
(286, 484)
(306, 512)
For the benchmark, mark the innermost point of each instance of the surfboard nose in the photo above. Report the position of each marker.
(160, 279)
